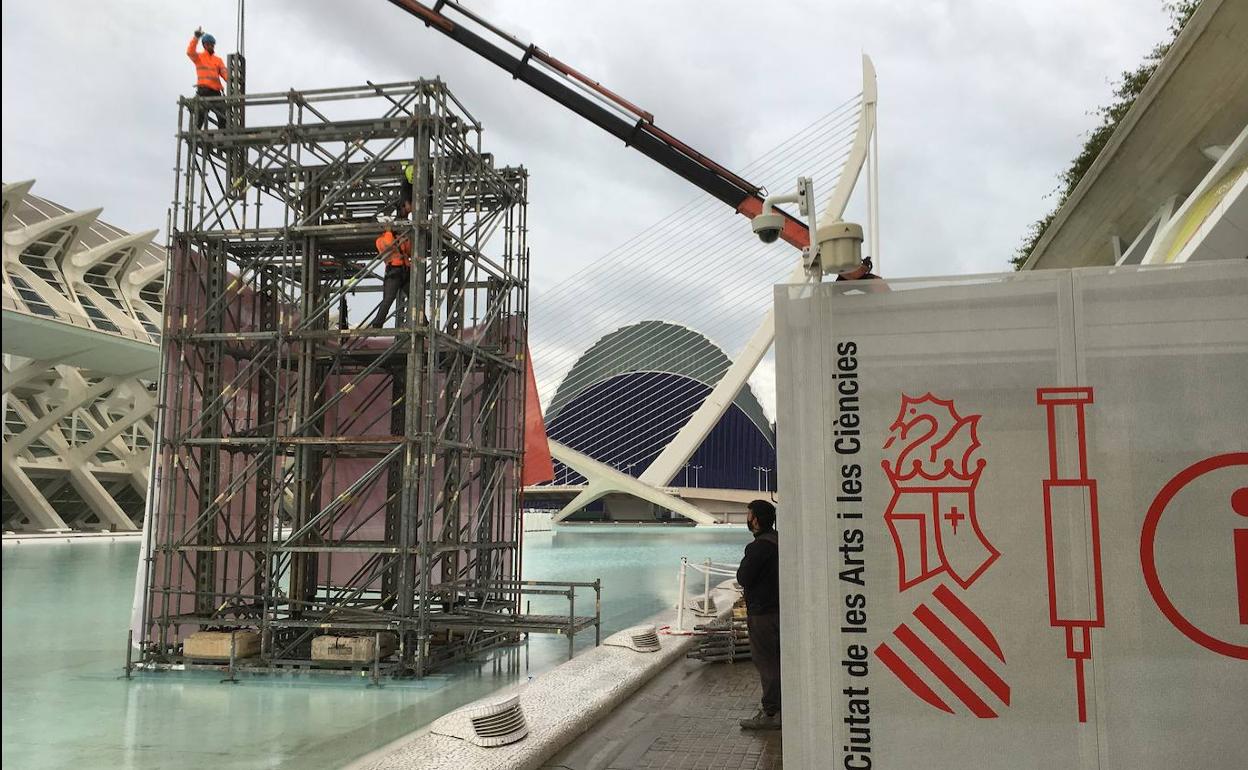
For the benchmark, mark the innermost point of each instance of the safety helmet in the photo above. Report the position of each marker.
(209, 40)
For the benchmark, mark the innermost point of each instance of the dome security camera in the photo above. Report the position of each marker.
(769, 223)
(768, 226)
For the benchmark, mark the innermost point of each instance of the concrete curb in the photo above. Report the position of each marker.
(559, 705)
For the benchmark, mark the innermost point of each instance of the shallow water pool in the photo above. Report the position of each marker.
(66, 611)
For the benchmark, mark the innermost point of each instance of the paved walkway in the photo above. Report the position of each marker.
(684, 718)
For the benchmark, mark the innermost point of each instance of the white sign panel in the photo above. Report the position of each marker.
(1014, 520)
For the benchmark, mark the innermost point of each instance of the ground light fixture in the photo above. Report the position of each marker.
(637, 638)
(494, 722)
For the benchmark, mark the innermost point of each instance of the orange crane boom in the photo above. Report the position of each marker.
(602, 107)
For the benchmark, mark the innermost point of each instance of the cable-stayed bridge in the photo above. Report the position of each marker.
(664, 404)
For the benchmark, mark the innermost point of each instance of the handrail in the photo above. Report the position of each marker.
(549, 588)
(707, 568)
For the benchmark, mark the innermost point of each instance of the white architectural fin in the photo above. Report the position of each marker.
(14, 194)
(86, 259)
(21, 238)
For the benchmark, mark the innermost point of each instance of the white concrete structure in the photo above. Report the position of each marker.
(1169, 186)
(82, 314)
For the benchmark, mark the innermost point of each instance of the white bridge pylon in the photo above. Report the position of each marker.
(602, 479)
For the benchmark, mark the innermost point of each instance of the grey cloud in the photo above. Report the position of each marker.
(982, 103)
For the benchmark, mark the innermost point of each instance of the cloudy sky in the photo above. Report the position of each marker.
(982, 102)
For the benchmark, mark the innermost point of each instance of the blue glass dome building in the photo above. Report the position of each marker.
(627, 397)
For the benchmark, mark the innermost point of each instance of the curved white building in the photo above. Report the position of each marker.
(624, 402)
(626, 398)
(82, 316)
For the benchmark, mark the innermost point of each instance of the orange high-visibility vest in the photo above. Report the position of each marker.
(209, 69)
(400, 256)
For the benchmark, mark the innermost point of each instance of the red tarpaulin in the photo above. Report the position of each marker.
(538, 466)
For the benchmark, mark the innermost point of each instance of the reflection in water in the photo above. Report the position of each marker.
(66, 611)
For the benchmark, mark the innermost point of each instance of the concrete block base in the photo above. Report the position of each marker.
(352, 649)
(215, 645)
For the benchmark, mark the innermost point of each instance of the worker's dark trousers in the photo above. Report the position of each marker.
(765, 650)
(201, 114)
(395, 283)
(405, 199)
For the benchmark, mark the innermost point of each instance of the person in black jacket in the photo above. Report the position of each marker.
(759, 576)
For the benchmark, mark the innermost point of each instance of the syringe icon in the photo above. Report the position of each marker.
(1072, 531)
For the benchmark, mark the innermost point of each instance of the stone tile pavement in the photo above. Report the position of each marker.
(683, 719)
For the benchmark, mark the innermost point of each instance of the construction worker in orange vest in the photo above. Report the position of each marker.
(872, 283)
(210, 71)
(396, 252)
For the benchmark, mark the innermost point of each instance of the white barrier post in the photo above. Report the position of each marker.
(706, 589)
(680, 599)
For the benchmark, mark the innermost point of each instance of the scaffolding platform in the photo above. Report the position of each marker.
(326, 466)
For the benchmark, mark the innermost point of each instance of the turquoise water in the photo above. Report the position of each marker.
(66, 611)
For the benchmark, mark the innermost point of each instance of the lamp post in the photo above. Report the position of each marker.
(696, 468)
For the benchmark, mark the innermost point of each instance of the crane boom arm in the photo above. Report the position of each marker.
(604, 108)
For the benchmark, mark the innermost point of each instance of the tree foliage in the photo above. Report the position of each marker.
(1128, 87)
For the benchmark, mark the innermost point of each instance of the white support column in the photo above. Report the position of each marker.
(78, 395)
(75, 398)
(24, 373)
(1135, 252)
(143, 405)
(1165, 247)
(603, 480)
(706, 416)
(100, 500)
(589, 494)
(36, 508)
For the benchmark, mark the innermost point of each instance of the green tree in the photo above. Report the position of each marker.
(1126, 90)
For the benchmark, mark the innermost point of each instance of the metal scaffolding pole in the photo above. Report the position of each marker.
(321, 475)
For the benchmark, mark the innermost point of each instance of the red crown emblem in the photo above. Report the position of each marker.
(933, 446)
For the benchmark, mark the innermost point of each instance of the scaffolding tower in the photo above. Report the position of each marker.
(316, 473)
